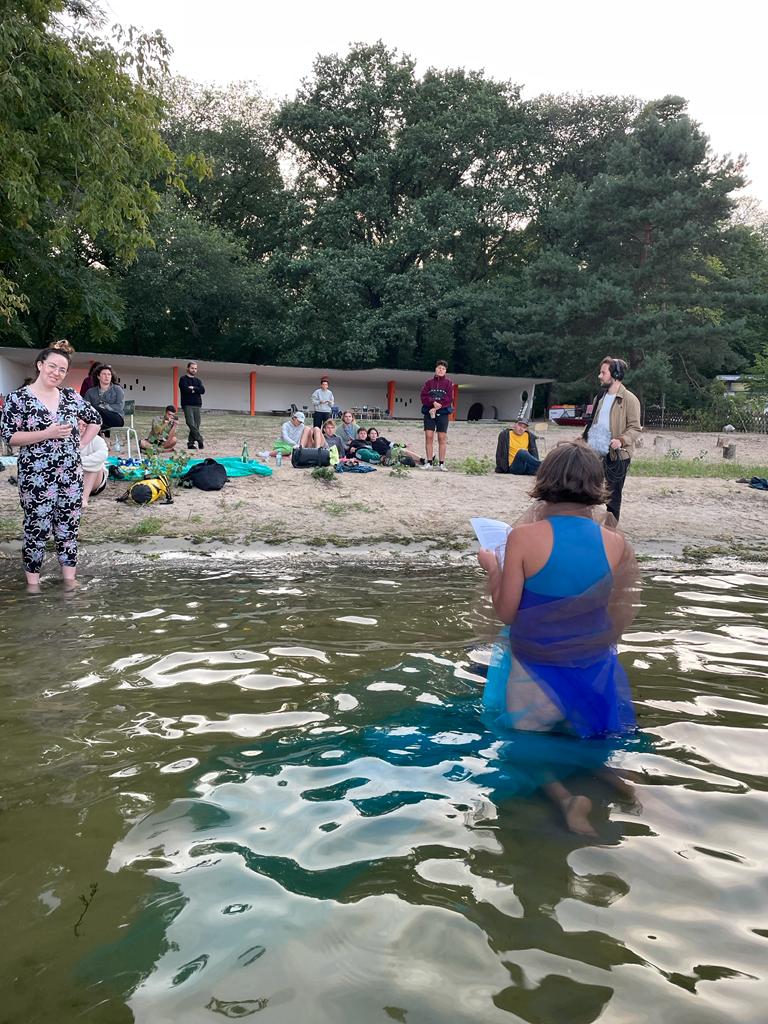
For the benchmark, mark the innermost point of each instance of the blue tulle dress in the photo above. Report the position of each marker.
(556, 668)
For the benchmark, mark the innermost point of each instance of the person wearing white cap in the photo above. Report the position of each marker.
(295, 434)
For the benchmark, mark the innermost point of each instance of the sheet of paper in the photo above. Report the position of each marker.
(491, 533)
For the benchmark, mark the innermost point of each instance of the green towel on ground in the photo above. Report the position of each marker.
(234, 467)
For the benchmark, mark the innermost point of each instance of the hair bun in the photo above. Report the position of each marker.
(63, 346)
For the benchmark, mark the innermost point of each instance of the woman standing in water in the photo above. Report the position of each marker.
(41, 420)
(566, 587)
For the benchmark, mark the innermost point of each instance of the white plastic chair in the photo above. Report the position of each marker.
(130, 430)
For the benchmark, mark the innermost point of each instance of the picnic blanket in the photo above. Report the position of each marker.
(133, 469)
(349, 467)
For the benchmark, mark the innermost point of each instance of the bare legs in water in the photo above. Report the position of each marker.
(576, 808)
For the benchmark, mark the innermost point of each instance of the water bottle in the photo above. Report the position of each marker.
(244, 453)
(118, 446)
(279, 459)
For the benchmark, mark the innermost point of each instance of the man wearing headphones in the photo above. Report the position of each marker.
(614, 427)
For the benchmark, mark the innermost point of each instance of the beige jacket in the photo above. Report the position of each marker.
(625, 420)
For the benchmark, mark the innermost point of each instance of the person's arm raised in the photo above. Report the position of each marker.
(505, 585)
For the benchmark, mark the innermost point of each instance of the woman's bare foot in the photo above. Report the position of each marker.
(576, 813)
(68, 577)
(575, 809)
(33, 582)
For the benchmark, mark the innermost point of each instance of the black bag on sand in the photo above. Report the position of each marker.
(209, 475)
(305, 458)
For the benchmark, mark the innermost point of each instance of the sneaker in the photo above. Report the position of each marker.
(200, 445)
(425, 465)
(442, 468)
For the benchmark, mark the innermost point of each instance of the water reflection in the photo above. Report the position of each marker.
(306, 817)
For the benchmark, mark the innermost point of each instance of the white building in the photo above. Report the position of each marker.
(242, 387)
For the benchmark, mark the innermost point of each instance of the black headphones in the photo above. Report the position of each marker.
(618, 368)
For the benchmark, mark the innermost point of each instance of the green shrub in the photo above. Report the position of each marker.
(399, 468)
(476, 466)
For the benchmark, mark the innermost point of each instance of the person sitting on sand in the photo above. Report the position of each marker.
(516, 450)
(385, 448)
(361, 441)
(566, 587)
(94, 459)
(295, 434)
(330, 438)
(162, 433)
(347, 430)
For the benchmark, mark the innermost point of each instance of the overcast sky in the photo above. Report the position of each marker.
(709, 52)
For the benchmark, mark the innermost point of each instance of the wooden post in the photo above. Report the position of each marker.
(253, 392)
(175, 394)
(729, 451)
(455, 400)
(391, 397)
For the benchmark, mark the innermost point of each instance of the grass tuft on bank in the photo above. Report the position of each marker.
(692, 468)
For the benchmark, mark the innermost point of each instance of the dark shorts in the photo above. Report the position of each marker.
(439, 423)
(319, 418)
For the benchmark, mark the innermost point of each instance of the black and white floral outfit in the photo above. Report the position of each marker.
(50, 473)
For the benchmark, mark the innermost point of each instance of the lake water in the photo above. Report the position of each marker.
(263, 789)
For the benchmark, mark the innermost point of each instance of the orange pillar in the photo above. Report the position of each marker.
(455, 400)
(175, 399)
(391, 397)
(253, 392)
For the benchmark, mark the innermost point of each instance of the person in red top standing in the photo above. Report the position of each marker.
(436, 407)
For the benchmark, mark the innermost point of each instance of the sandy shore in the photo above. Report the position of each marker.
(664, 516)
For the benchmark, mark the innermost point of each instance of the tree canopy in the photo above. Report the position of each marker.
(379, 217)
(79, 119)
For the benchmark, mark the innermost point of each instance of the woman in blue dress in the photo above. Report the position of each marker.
(41, 420)
(566, 586)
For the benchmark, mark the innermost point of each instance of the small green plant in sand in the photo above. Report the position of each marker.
(673, 453)
(474, 466)
(399, 468)
(172, 463)
(148, 527)
(326, 474)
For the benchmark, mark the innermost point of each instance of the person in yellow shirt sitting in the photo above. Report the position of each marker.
(516, 450)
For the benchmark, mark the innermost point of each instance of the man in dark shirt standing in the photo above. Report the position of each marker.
(192, 390)
(436, 407)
